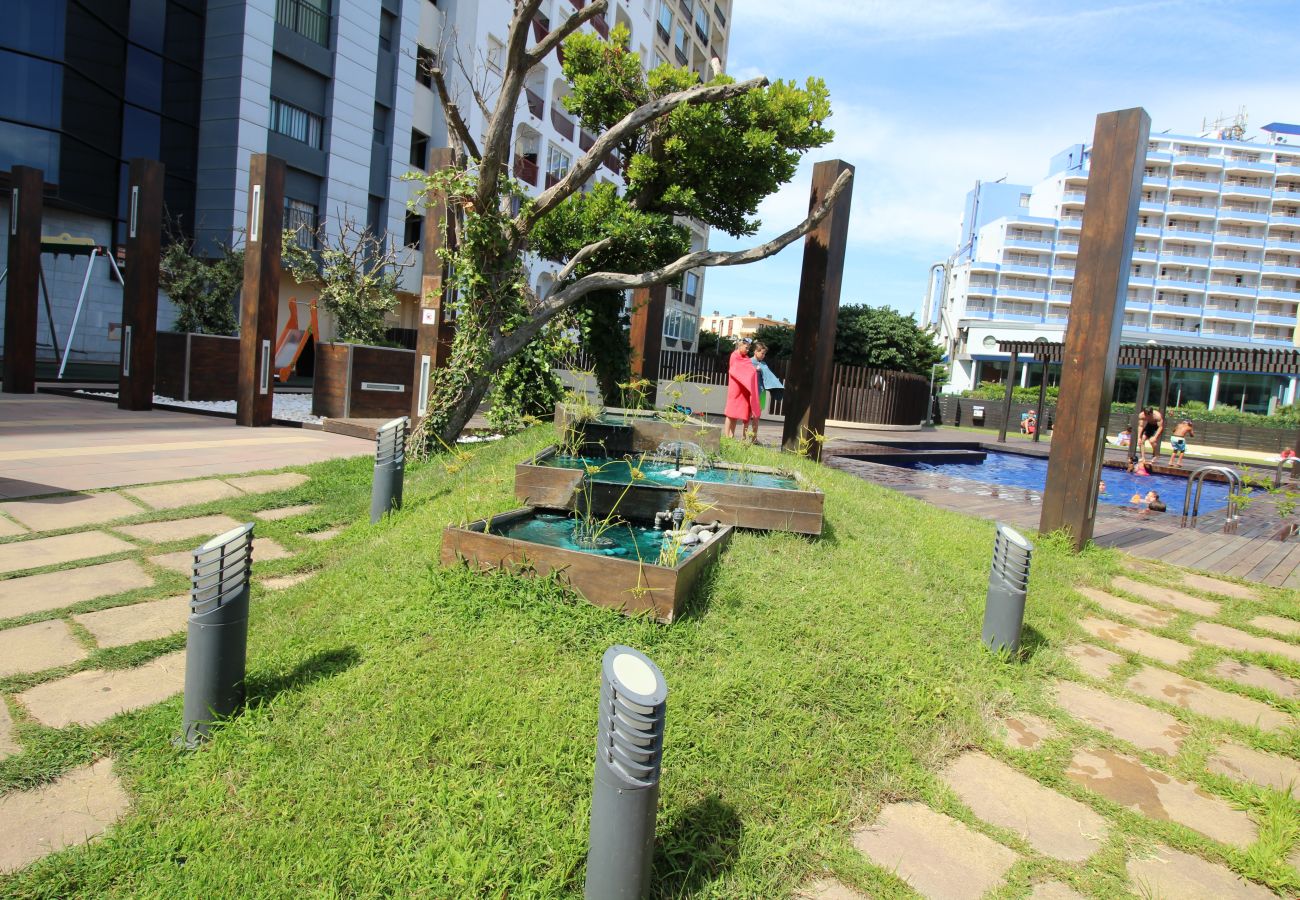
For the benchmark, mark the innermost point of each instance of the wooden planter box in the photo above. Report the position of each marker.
(196, 366)
(649, 431)
(358, 381)
(743, 505)
(629, 586)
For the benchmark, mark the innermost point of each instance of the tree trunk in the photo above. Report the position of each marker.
(463, 408)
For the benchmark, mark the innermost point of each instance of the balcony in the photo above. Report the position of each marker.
(1274, 244)
(1071, 223)
(1144, 256)
(1032, 243)
(1285, 293)
(1284, 217)
(1142, 280)
(1074, 196)
(1159, 155)
(1231, 189)
(1138, 306)
(1195, 183)
(612, 162)
(1235, 264)
(1025, 268)
(1198, 157)
(1223, 312)
(1174, 308)
(1187, 259)
(1241, 214)
(1288, 167)
(1154, 205)
(1237, 240)
(535, 102)
(304, 17)
(983, 265)
(1191, 234)
(1173, 282)
(1170, 328)
(1247, 165)
(1147, 231)
(526, 170)
(562, 123)
(1273, 319)
(1067, 246)
(1063, 272)
(978, 312)
(1155, 180)
(1020, 294)
(1233, 288)
(602, 27)
(984, 288)
(1283, 193)
(1191, 208)
(1279, 268)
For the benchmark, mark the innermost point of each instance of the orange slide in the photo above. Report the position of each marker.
(294, 338)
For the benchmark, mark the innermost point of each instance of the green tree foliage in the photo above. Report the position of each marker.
(716, 344)
(204, 290)
(779, 340)
(880, 337)
(527, 387)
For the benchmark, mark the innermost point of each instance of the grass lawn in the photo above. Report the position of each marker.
(419, 731)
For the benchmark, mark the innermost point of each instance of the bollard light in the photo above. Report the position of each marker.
(390, 467)
(217, 646)
(625, 791)
(1004, 607)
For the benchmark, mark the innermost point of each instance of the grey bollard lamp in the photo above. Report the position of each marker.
(216, 648)
(390, 468)
(625, 790)
(1004, 606)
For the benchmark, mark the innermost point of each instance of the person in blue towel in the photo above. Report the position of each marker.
(767, 383)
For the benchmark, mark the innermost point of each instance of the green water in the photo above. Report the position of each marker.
(627, 541)
(615, 471)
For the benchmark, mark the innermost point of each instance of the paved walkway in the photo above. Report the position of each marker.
(51, 444)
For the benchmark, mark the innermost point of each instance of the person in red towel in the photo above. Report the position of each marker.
(742, 391)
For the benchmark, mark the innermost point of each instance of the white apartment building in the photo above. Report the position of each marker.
(547, 138)
(1216, 262)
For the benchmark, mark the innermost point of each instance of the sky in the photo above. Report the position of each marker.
(929, 96)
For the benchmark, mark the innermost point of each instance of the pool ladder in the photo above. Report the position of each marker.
(1281, 464)
(1197, 479)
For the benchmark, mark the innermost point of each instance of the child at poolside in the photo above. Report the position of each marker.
(1125, 437)
(1178, 441)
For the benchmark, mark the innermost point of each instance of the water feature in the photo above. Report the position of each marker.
(631, 541)
(667, 472)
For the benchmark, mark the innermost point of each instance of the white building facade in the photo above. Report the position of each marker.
(1216, 262)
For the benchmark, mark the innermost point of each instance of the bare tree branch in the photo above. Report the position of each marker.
(580, 256)
(459, 131)
(469, 76)
(496, 144)
(509, 344)
(621, 130)
(571, 24)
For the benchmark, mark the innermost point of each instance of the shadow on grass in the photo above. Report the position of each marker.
(325, 664)
(699, 847)
(696, 604)
(1031, 641)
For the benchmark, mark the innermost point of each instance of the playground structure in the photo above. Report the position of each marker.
(294, 337)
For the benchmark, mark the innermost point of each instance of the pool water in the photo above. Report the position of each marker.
(615, 471)
(1016, 470)
(633, 542)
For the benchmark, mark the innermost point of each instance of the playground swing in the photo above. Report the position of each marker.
(293, 339)
(71, 246)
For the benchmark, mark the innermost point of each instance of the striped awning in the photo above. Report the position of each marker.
(1222, 359)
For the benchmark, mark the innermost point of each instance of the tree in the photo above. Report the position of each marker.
(779, 340)
(883, 338)
(712, 151)
(204, 290)
(712, 343)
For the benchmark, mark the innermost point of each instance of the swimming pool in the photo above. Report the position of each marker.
(1016, 470)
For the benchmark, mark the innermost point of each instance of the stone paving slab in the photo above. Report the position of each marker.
(1051, 823)
(1265, 769)
(828, 889)
(1138, 612)
(1143, 727)
(284, 512)
(8, 743)
(323, 535)
(180, 529)
(1167, 596)
(70, 510)
(1277, 625)
(264, 550)
(1218, 586)
(938, 856)
(54, 590)
(281, 582)
(265, 484)
(80, 805)
(1257, 676)
(123, 625)
(1159, 684)
(184, 493)
(1235, 639)
(37, 647)
(10, 529)
(1135, 640)
(1054, 890)
(1025, 731)
(1123, 780)
(1173, 874)
(53, 551)
(1093, 660)
(88, 698)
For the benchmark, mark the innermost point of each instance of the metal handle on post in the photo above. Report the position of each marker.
(126, 350)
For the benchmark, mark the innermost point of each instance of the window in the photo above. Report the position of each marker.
(300, 218)
(680, 43)
(1024, 199)
(692, 288)
(381, 124)
(673, 323)
(414, 228)
(425, 62)
(496, 52)
(702, 23)
(294, 122)
(310, 18)
(419, 149)
(688, 326)
(664, 25)
(557, 164)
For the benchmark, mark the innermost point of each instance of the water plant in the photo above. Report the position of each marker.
(590, 527)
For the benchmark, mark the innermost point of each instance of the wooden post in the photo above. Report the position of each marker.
(1096, 318)
(26, 208)
(261, 293)
(647, 335)
(432, 326)
(1140, 402)
(1042, 403)
(1006, 400)
(140, 291)
(808, 387)
(1164, 405)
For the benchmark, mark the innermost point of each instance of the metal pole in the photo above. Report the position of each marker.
(1006, 403)
(49, 312)
(625, 790)
(1042, 403)
(390, 466)
(1004, 606)
(217, 647)
(76, 315)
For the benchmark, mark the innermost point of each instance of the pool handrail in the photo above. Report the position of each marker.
(1197, 478)
(1281, 464)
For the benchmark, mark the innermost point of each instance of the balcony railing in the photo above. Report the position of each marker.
(302, 220)
(306, 18)
(563, 124)
(602, 27)
(612, 162)
(526, 170)
(535, 102)
(681, 56)
(541, 26)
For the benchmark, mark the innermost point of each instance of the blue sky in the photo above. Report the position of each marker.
(931, 95)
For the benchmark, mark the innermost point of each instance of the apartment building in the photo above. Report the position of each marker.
(1216, 262)
(740, 326)
(547, 138)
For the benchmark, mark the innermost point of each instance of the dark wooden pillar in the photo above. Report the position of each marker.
(260, 300)
(1042, 403)
(808, 387)
(432, 325)
(1140, 402)
(647, 335)
(26, 207)
(1164, 405)
(1096, 318)
(140, 284)
(1007, 397)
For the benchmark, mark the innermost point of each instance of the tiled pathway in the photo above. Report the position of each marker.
(51, 633)
(1159, 723)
